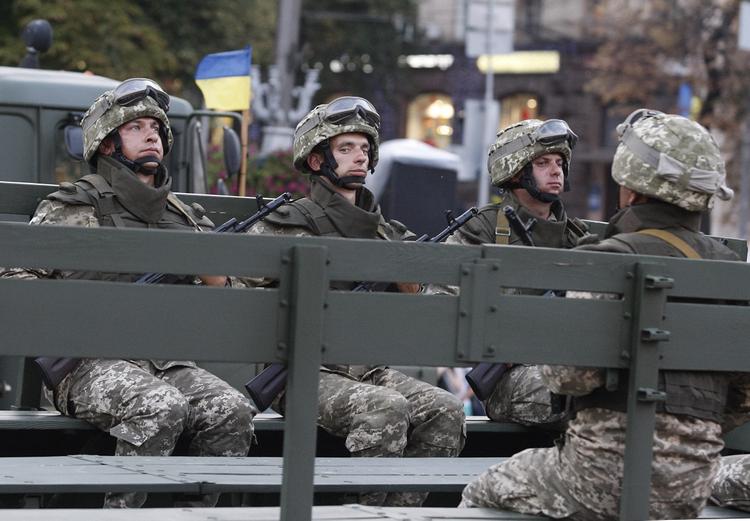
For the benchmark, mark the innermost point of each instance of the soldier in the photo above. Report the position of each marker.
(145, 404)
(669, 169)
(380, 411)
(530, 163)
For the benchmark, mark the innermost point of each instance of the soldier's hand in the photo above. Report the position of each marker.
(213, 280)
(408, 287)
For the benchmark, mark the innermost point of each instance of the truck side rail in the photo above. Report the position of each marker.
(664, 315)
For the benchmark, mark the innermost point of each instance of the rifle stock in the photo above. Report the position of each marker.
(267, 385)
(484, 376)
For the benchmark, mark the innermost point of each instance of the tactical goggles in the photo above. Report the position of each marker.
(551, 132)
(135, 89)
(554, 131)
(342, 109)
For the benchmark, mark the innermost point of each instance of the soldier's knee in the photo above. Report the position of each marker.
(242, 412)
(381, 427)
(391, 405)
(172, 411)
(449, 409)
(228, 406)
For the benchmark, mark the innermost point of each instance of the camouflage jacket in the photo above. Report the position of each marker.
(556, 232)
(74, 205)
(326, 213)
(621, 236)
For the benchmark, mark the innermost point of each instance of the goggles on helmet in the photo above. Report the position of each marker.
(127, 93)
(342, 109)
(551, 132)
(135, 89)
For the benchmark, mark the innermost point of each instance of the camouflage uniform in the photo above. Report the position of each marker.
(581, 478)
(145, 404)
(731, 487)
(520, 395)
(379, 411)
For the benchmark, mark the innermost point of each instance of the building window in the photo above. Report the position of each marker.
(430, 119)
(518, 107)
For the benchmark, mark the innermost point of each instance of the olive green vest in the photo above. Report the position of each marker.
(698, 394)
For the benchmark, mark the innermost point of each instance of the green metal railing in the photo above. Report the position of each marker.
(667, 314)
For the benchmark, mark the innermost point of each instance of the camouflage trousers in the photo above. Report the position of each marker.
(147, 410)
(389, 414)
(521, 396)
(732, 484)
(582, 479)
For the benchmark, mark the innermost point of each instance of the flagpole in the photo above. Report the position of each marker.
(243, 162)
(246, 118)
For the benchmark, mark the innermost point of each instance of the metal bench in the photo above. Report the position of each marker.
(190, 475)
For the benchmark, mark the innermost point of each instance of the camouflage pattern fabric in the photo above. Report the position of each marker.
(380, 411)
(670, 158)
(104, 116)
(503, 168)
(146, 405)
(731, 488)
(521, 396)
(147, 409)
(389, 414)
(304, 143)
(582, 479)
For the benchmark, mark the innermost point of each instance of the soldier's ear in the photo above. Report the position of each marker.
(315, 161)
(106, 147)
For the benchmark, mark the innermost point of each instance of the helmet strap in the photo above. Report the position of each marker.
(528, 183)
(328, 170)
(138, 166)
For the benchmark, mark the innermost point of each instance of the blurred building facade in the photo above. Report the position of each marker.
(439, 98)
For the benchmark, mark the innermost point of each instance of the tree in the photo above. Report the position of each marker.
(363, 39)
(649, 48)
(162, 40)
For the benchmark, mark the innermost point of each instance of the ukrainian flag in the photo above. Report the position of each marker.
(224, 79)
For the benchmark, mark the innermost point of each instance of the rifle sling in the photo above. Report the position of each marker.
(673, 241)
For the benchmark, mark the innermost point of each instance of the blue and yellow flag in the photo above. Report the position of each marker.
(224, 79)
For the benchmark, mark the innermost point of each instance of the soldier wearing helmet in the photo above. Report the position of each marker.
(669, 170)
(380, 411)
(145, 404)
(530, 163)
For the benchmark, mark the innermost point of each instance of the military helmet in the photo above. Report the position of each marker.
(340, 116)
(518, 144)
(670, 158)
(132, 99)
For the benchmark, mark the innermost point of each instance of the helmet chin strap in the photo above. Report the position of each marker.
(139, 165)
(528, 183)
(328, 170)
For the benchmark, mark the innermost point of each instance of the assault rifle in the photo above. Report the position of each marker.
(268, 384)
(231, 226)
(485, 375)
(454, 223)
(55, 369)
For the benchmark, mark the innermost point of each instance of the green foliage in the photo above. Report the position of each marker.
(365, 36)
(121, 38)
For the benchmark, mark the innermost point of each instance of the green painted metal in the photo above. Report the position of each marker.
(307, 299)
(706, 305)
(650, 281)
